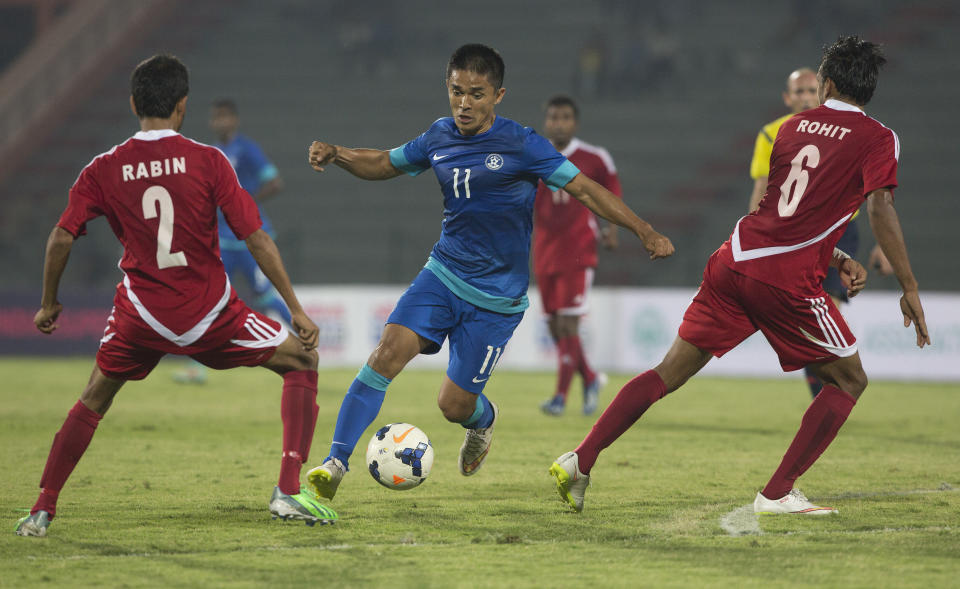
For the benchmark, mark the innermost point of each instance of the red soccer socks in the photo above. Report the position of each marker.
(68, 446)
(298, 410)
(818, 427)
(566, 366)
(626, 408)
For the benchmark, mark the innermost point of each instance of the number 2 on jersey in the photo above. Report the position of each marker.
(157, 197)
(792, 189)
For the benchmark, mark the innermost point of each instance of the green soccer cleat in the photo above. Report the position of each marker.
(304, 506)
(35, 524)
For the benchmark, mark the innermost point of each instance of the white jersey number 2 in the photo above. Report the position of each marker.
(157, 197)
(791, 191)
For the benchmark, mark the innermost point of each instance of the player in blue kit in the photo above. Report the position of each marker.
(258, 176)
(473, 287)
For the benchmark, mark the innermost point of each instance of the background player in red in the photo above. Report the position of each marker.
(160, 192)
(769, 275)
(565, 252)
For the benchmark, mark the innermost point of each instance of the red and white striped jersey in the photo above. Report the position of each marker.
(160, 192)
(825, 162)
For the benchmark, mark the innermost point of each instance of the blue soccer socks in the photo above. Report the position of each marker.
(482, 416)
(359, 408)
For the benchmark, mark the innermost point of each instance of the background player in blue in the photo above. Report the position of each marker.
(259, 177)
(473, 287)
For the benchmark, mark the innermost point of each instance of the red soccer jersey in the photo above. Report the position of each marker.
(160, 192)
(825, 162)
(565, 231)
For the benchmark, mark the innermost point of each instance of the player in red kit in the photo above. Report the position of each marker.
(160, 192)
(769, 275)
(565, 253)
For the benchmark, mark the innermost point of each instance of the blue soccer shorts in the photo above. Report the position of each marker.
(477, 336)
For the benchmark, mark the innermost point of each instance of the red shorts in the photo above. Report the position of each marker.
(565, 293)
(239, 336)
(730, 307)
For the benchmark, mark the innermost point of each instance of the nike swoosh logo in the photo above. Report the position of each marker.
(437, 156)
(398, 439)
(478, 381)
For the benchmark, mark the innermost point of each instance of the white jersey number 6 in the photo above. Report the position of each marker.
(154, 196)
(791, 191)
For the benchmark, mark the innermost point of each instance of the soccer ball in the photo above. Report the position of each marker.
(399, 456)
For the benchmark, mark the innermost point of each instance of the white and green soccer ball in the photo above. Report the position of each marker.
(399, 456)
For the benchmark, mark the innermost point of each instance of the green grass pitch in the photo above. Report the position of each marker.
(173, 490)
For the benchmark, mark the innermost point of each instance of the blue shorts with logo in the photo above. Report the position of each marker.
(477, 336)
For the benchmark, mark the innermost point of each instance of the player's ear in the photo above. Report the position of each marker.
(133, 107)
(786, 99)
(500, 94)
(182, 106)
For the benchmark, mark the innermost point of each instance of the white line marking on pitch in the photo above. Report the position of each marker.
(742, 521)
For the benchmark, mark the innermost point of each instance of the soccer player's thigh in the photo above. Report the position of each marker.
(426, 308)
(716, 320)
(252, 344)
(124, 359)
(801, 330)
(572, 290)
(477, 343)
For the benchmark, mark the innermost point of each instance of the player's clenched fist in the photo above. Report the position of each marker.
(321, 154)
(46, 318)
(658, 246)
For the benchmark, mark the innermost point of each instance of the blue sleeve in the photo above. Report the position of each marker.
(263, 169)
(412, 156)
(545, 162)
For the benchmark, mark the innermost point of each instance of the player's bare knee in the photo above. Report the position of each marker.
(307, 360)
(455, 410)
(856, 383)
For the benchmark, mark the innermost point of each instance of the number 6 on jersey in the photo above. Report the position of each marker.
(792, 189)
(158, 196)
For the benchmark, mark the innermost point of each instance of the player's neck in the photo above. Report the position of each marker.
(560, 146)
(158, 124)
(842, 98)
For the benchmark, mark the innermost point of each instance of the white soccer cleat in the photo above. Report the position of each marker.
(325, 479)
(793, 502)
(476, 446)
(571, 483)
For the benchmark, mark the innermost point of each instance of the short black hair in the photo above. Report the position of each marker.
(479, 59)
(563, 100)
(853, 64)
(227, 104)
(157, 85)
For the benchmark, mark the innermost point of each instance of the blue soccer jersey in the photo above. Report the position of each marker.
(489, 182)
(253, 170)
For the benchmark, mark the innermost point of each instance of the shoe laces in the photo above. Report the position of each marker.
(475, 440)
(336, 467)
(798, 494)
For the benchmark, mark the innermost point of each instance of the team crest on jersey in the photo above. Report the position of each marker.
(494, 161)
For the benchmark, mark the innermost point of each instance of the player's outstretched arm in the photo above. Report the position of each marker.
(265, 252)
(886, 228)
(608, 206)
(368, 164)
(55, 261)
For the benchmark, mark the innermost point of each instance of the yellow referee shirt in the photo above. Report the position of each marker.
(760, 166)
